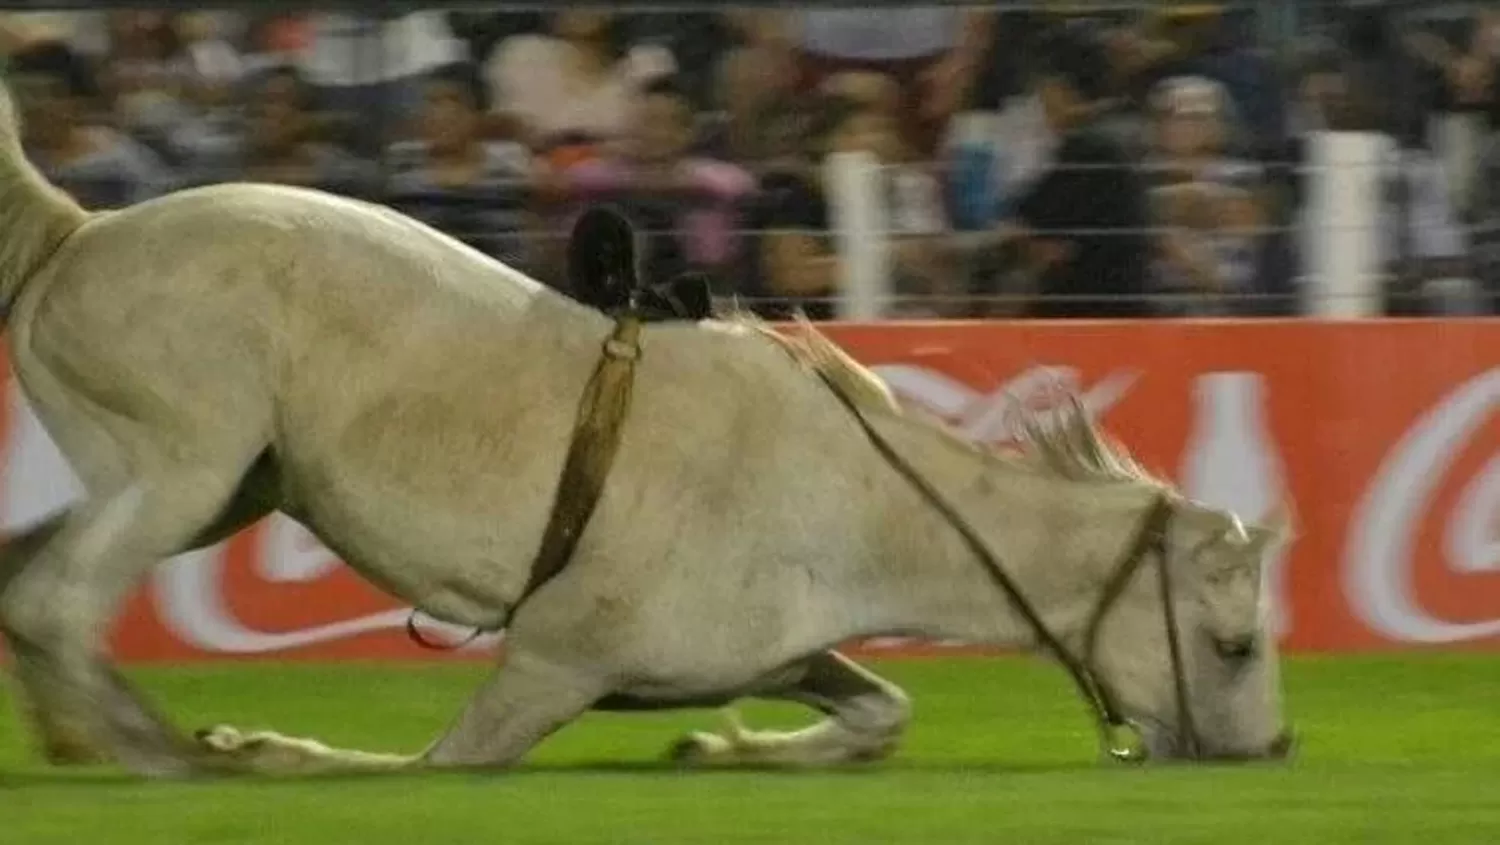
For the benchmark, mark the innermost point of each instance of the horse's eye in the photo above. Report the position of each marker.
(1236, 649)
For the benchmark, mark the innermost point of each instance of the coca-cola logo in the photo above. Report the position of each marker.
(1378, 568)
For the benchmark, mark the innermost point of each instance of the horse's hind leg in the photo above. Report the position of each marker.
(866, 718)
(63, 743)
(56, 610)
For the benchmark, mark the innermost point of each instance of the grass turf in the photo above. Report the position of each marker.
(1395, 750)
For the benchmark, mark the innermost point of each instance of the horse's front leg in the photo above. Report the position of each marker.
(867, 716)
(517, 707)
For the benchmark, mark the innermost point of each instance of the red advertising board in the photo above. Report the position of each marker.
(1385, 436)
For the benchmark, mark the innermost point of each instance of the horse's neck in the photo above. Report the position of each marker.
(1056, 540)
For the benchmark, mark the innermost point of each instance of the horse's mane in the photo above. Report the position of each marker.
(1069, 445)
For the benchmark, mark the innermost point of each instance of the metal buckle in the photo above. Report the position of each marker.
(621, 350)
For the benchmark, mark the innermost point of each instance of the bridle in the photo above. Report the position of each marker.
(1150, 541)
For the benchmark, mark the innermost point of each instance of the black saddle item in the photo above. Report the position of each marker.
(603, 273)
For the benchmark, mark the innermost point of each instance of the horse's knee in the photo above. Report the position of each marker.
(35, 610)
(18, 551)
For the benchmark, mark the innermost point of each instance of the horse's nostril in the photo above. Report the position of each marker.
(1281, 747)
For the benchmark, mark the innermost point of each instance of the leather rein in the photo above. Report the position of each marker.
(1150, 541)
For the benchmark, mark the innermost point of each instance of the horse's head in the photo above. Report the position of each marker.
(1226, 675)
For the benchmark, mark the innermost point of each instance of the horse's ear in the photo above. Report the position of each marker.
(1279, 528)
(601, 259)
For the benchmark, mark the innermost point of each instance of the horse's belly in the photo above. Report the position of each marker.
(448, 575)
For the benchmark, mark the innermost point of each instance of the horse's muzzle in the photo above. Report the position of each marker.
(1282, 746)
(1279, 748)
(1168, 748)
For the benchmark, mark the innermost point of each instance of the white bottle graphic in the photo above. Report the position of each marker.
(1231, 463)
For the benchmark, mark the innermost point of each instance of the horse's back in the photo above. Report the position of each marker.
(297, 241)
(279, 279)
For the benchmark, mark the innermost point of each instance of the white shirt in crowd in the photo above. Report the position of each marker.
(883, 35)
(354, 50)
(531, 78)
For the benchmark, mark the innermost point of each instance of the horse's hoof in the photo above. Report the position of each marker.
(697, 748)
(684, 750)
(226, 739)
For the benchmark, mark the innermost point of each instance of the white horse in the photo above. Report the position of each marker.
(208, 357)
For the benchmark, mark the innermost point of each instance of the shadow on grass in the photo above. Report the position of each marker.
(84, 779)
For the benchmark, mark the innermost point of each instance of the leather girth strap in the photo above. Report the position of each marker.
(591, 452)
(595, 440)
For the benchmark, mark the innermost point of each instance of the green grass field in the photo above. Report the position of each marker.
(1394, 751)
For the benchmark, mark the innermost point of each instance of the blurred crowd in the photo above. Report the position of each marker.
(1139, 163)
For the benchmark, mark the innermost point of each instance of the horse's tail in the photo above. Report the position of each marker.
(35, 217)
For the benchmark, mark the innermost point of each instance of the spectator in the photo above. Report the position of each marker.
(933, 53)
(1390, 91)
(1207, 200)
(60, 99)
(914, 199)
(457, 180)
(575, 87)
(1082, 225)
(161, 69)
(208, 125)
(1209, 40)
(1383, 85)
(281, 143)
(755, 78)
(1113, 113)
(272, 40)
(214, 64)
(1486, 231)
(695, 40)
(85, 32)
(793, 263)
(482, 31)
(1001, 142)
(363, 66)
(1465, 73)
(697, 197)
